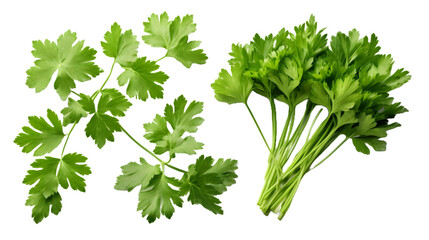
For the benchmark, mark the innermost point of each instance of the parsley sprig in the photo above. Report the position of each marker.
(348, 78)
(142, 79)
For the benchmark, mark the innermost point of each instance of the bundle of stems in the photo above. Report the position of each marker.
(348, 78)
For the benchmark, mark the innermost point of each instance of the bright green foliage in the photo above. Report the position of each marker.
(50, 173)
(135, 174)
(100, 111)
(143, 79)
(204, 181)
(234, 88)
(77, 109)
(43, 136)
(70, 169)
(181, 119)
(348, 78)
(158, 197)
(121, 46)
(173, 36)
(113, 101)
(73, 62)
(101, 126)
(42, 205)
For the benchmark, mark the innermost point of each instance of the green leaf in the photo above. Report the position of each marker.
(73, 63)
(70, 171)
(204, 181)
(113, 101)
(46, 178)
(345, 93)
(158, 197)
(101, 128)
(134, 174)
(181, 119)
(184, 52)
(232, 88)
(173, 144)
(184, 120)
(42, 205)
(361, 143)
(173, 36)
(121, 46)
(73, 113)
(44, 136)
(143, 80)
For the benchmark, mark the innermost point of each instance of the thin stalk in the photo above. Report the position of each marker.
(151, 153)
(274, 123)
(312, 124)
(257, 125)
(75, 93)
(94, 95)
(332, 152)
(67, 139)
(141, 146)
(161, 58)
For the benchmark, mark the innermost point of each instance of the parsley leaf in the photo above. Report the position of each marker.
(173, 36)
(204, 181)
(181, 120)
(43, 205)
(77, 109)
(44, 195)
(158, 197)
(234, 88)
(135, 174)
(46, 178)
(102, 126)
(69, 170)
(46, 139)
(73, 62)
(113, 101)
(121, 46)
(142, 79)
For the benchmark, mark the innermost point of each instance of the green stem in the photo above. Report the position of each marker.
(332, 152)
(94, 95)
(161, 58)
(274, 122)
(257, 125)
(312, 124)
(67, 139)
(151, 153)
(75, 93)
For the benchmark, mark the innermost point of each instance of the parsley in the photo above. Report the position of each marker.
(102, 110)
(348, 78)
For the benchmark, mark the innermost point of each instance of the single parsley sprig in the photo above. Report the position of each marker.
(73, 62)
(349, 79)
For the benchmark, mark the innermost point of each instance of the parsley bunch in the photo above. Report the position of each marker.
(72, 62)
(348, 78)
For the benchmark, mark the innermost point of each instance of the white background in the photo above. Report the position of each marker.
(351, 196)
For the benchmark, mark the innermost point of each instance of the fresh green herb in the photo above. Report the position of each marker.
(349, 79)
(72, 61)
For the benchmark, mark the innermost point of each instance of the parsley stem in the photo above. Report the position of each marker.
(94, 95)
(274, 123)
(151, 153)
(175, 168)
(67, 139)
(141, 146)
(332, 152)
(257, 125)
(75, 93)
(161, 58)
